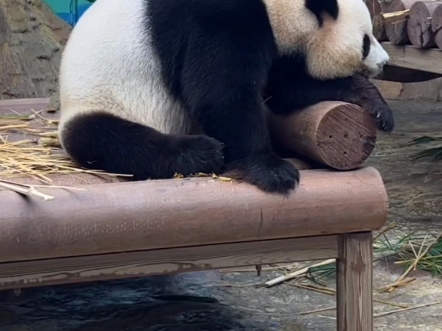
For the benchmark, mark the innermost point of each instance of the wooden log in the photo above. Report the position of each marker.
(124, 217)
(419, 28)
(438, 39)
(354, 282)
(379, 28)
(396, 17)
(436, 25)
(375, 9)
(337, 134)
(436, 17)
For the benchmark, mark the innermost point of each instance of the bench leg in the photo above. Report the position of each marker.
(354, 282)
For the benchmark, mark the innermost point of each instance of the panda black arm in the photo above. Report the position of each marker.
(224, 70)
(290, 89)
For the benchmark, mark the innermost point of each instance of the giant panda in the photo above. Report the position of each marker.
(152, 88)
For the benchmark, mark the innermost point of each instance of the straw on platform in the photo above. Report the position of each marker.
(36, 157)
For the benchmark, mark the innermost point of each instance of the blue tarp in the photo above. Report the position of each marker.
(70, 12)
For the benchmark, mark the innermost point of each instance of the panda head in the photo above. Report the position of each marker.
(335, 36)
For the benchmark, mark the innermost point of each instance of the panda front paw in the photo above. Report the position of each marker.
(384, 117)
(268, 172)
(381, 113)
(365, 94)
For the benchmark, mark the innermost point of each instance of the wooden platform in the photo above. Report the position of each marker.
(112, 230)
(411, 57)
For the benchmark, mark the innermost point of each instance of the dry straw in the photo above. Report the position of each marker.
(38, 153)
(29, 147)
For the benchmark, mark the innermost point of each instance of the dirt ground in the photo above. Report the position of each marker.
(227, 301)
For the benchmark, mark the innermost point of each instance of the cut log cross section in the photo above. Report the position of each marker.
(419, 28)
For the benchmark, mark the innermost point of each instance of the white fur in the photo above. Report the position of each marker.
(104, 67)
(333, 51)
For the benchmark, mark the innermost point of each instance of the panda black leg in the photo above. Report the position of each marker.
(222, 91)
(106, 142)
(366, 95)
(290, 94)
(248, 153)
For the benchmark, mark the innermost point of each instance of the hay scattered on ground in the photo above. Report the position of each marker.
(413, 251)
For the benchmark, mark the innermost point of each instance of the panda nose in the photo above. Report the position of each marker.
(382, 64)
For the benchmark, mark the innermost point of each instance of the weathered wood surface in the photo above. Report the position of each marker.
(414, 187)
(396, 25)
(164, 261)
(429, 90)
(436, 25)
(412, 57)
(32, 39)
(337, 134)
(121, 217)
(354, 282)
(419, 28)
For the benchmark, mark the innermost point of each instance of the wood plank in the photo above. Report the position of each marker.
(412, 57)
(355, 282)
(163, 261)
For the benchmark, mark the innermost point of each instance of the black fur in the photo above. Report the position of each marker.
(104, 141)
(219, 59)
(215, 57)
(321, 7)
(366, 43)
(286, 93)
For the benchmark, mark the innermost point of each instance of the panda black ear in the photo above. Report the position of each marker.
(321, 7)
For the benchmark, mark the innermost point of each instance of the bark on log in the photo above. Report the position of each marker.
(337, 134)
(32, 39)
(419, 28)
(436, 25)
(379, 28)
(396, 22)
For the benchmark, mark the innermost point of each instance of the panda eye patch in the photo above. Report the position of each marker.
(365, 46)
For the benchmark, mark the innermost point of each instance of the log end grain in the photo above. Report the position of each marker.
(346, 137)
(337, 134)
(419, 28)
(438, 39)
(436, 18)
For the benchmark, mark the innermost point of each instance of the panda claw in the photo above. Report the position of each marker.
(381, 113)
(385, 120)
